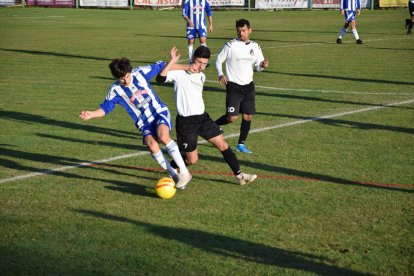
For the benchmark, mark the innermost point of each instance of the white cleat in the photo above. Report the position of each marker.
(245, 178)
(183, 181)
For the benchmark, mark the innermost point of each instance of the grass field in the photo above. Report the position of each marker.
(332, 141)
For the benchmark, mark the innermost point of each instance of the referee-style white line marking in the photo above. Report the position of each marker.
(85, 164)
(326, 91)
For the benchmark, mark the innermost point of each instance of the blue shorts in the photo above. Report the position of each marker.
(349, 15)
(163, 118)
(193, 33)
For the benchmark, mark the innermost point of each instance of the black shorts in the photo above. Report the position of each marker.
(189, 128)
(411, 8)
(240, 99)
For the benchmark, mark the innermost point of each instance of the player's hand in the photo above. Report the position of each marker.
(358, 12)
(174, 55)
(223, 80)
(85, 115)
(342, 12)
(264, 64)
(191, 24)
(210, 29)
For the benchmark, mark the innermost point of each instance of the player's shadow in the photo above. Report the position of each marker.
(91, 142)
(339, 78)
(65, 55)
(392, 49)
(342, 123)
(115, 185)
(306, 175)
(298, 97)
(233, 248)
(38, 119)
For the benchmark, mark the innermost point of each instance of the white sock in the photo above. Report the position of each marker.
(342, 33)
(175, 154)
(355, 33)
(190, 51)
(164, 163)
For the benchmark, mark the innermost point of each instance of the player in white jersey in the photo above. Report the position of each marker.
(194, 12)
(242, 56)
(133, 92)
(410, 22)
(350, 9)
(192, 119)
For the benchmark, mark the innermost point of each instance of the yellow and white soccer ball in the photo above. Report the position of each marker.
(165, 188)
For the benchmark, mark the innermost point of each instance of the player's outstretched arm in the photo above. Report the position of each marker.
(87, 115)
(175, 57)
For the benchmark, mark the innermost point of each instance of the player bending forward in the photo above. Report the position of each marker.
(151, 116)
(192, 120)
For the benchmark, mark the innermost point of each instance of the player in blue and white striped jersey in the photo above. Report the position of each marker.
(151, 116)
(194, 12)
(350, 9)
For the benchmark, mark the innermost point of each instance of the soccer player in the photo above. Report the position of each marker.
(242, 55)
(410, 22)
(192, 119)
(151, 116)
(350, 9)
(194, 12)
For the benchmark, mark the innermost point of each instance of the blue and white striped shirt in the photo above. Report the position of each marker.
(350, 5)
(138, 99)
(194, 9)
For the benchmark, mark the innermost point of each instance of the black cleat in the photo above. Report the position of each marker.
(359, 41)
(407, 23)
(339, 41)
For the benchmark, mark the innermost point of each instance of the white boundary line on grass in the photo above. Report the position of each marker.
(85, 164)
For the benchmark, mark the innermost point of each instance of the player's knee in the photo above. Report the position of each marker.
(232, 119)
(164, 138)
(191, 160)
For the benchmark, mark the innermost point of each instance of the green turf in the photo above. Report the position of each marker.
(333, 196)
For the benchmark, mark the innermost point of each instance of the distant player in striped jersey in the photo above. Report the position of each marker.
(194, 13)
(133, 92)
(410, 22)
(350, 9)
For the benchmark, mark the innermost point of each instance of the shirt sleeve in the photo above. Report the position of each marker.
(149, 71)
(208, 9)
(221, 57)
(108, 104)
(186, 8)
(172, 76)
(259, 59)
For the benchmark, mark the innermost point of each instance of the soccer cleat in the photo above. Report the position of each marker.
(245, 178)
(338, 41)
(175, 177)
(359, 41)
(183, 181)
(242, 148)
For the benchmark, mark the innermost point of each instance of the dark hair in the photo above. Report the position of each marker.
(202, 52)
(241, 23)
(120, 67)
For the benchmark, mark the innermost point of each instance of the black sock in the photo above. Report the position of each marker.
(244, 131)
(222, 120)
(231, 160)
(410, 25)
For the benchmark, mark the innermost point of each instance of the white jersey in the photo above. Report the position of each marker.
(241, 58)
(188, 91)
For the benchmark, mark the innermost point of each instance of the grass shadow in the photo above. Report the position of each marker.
(229, 247)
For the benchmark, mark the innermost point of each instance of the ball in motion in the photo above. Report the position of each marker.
(165, 188)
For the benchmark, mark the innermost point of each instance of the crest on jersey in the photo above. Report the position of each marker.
(251, 52)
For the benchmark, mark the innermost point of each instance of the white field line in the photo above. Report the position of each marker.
(326, 91)
(85, 164)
